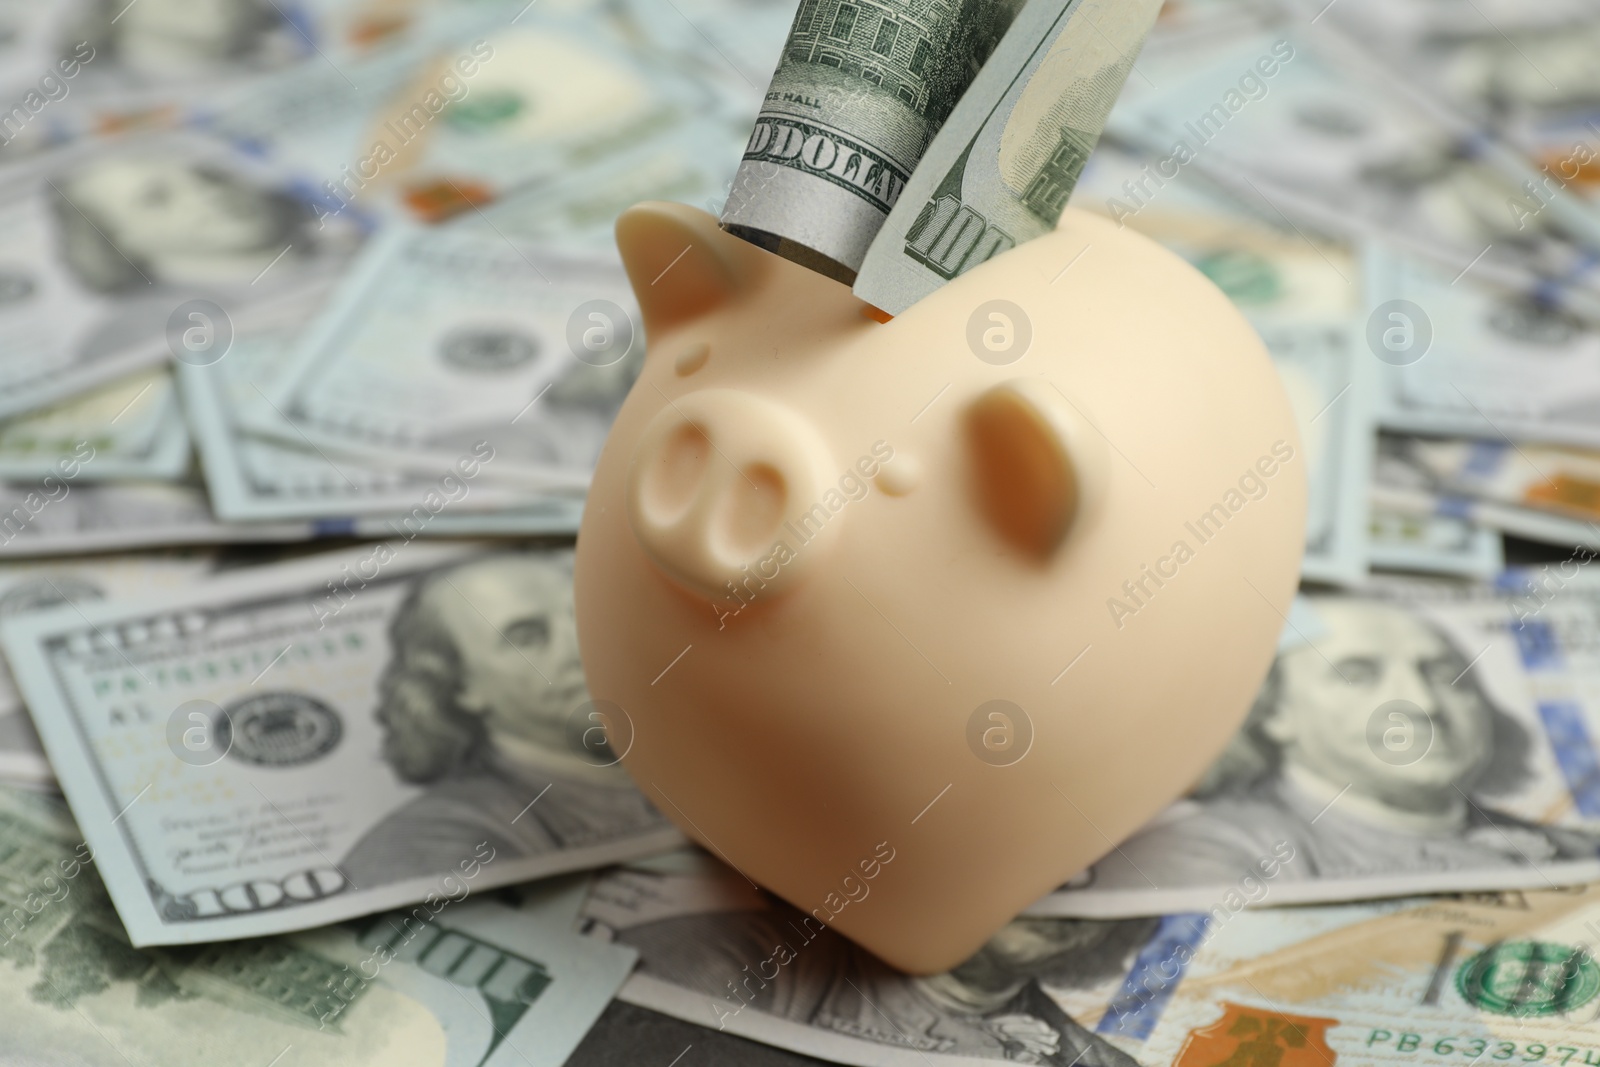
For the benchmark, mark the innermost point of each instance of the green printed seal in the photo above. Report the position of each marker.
(1529, 978)
(1245, 277)
(484, 112)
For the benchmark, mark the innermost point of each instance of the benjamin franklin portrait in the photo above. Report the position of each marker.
(167, 39)
(1306, 770)
(476, 705)
(132, 221)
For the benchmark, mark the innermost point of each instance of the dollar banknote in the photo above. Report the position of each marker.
(1521, 71)
(458, 980)
(127, 414)
(858, 97)
(628, 1034)
(550, 95)
(732, 47)
(1560, 482)
(1406, 497)
(1301, 290)
(1507, 975)
(134, 427)
(254, 478)
(1478, 360)
(1323, 136)
(1001, 169)
(60, 516)
(1432, 543)
(574, 214)
(717, 952)
(1430, 477)
(492, 100)
(1498, 97)
(303, 743)
(106, 250)
(106, 69)
(456, 338)
(42, 584)
(1413, 745)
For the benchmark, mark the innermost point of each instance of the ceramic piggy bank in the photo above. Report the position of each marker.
(911, 621)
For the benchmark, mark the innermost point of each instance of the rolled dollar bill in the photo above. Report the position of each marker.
(857, 98)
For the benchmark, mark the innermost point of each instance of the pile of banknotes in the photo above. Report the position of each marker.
(312, 330)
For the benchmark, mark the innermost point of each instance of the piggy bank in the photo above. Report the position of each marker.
(911, 621)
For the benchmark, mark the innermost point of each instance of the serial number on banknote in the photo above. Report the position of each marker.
(1477, 1047)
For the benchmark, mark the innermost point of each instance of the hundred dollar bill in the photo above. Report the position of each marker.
(717, 952)
(60, 516)
(1478, 360)
(1000, 170)
(1325, 136)
(628, 1034)
(133, 426)
(1410, 500)
(129, 52)
(36, 586)
(1535, 133)
(859, 96)
(1429, 478)
(1411, 746)
(78, 69)
(575, 214)
(495, 100)
(1562, 483)
(445, 338)
(304, 743)
(1522, 71)
(1507, 975)
(254, 478)
(1301, 290)
(548, 95)
(728, 46)
(1432, 543)
(125, 415)
(1490, 977)
(105, 250)
(455, 981)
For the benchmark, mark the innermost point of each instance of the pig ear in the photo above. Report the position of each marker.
(679, 261)
(1037, 463)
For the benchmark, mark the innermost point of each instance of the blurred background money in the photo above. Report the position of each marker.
(313, 328)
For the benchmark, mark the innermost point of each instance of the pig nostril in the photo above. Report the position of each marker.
(713, 478)
(669, 486)
(749, 513)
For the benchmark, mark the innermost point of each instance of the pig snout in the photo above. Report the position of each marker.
(724, 494)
